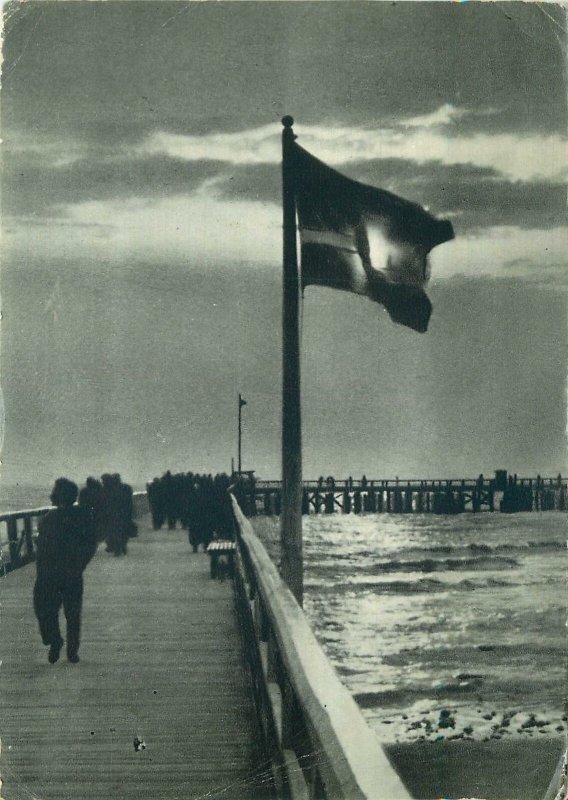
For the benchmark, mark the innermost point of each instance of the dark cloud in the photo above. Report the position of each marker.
(477, 197)
(30, 186)
(513, 113)
(553, 275)
(262, 182)
(111, 71)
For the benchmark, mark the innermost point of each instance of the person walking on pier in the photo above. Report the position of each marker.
(90, 498)
(66, 544)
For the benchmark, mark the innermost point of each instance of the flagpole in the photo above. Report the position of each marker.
(240, 437)
(291, 517)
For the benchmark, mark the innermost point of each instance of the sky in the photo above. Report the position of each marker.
(141, 223)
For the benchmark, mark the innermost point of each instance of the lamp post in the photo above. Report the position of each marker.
(240, 441)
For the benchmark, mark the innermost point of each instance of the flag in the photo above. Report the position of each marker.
(242, 402)
(364, 240)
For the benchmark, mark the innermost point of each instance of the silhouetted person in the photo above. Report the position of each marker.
(91, 498)
(126, 524)
(114, 515)
(169, 495)
(107, 512)
(194, 517)
(156, 501)
(66, 544)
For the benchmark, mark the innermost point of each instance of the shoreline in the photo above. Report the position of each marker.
(432, 722)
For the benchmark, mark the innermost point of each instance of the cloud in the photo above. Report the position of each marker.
(498, 253)
(204, 228)
(255, 146)
(228, 184)
(39, 182)
(181, 229)
(548, 274)
(514, 156)
(475, 197)
(479, 178)
(445, 115)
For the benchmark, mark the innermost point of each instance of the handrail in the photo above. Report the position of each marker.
(20, 528)
(314, 731)
(36, 512)
(367, 483)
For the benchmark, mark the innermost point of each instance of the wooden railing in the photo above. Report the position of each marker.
(315, 736)
(18, 533)
(17, 537)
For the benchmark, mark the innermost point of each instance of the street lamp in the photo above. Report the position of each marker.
(241, 404)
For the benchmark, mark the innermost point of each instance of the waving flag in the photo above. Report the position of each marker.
(364, 240)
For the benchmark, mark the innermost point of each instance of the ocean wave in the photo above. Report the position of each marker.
(462, 550)
(423, 585)
(403, 697)
(511, 689)
(447, 564)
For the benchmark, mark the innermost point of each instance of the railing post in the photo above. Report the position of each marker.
(28, 537)
(12, 525)
(291, 723)
(357, 502)
(267, 501)
(379, 497)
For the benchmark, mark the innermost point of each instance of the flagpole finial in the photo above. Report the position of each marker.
(287, 121)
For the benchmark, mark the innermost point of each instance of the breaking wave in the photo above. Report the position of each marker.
(447, 564)
(424, 585)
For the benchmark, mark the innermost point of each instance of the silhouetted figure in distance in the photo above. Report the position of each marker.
(91, 498)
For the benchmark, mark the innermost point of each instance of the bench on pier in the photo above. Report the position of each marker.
(222, 554)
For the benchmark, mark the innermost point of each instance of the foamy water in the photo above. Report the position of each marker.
(441, 627)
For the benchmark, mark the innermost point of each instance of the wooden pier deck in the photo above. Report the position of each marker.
(161, 659)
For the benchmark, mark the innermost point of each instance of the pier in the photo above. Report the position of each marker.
(161, 662)
(188, 687)
(503, 492)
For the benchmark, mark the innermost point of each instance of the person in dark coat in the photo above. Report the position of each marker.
(126, 524)
(194, 514)
(65, 545)
(156, 500)
(91, 499)
(113, 515)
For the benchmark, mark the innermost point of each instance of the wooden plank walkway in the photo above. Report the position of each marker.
(161, 659)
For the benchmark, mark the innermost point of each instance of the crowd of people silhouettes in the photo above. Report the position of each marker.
(200, 503)
(102, 510)
(109, 508)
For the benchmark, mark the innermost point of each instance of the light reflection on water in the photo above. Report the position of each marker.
(406, 604)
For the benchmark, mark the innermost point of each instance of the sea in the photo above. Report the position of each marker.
(21, 496)
(444, 628)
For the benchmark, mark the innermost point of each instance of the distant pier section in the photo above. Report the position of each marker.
(502, 492)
